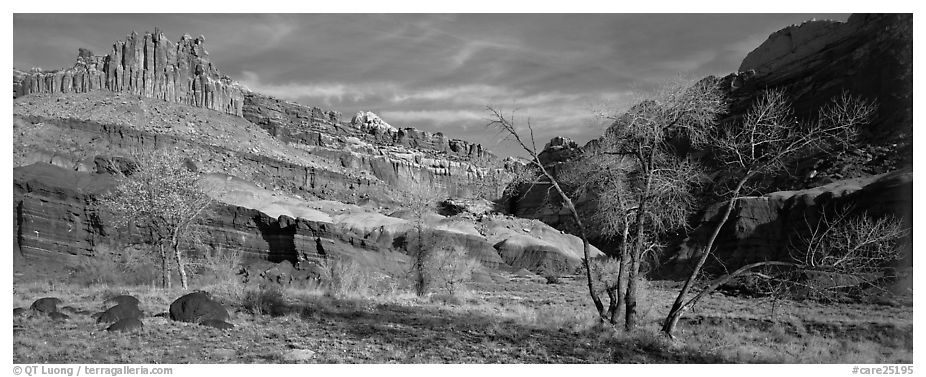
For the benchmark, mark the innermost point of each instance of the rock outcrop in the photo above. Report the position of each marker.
(55, 222)
(147, 65)
(759, 227)
(367, 121)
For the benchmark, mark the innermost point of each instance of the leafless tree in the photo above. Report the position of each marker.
(162, 194)
(649, 135)
(420, 198)
(507, 125)
(768, 140)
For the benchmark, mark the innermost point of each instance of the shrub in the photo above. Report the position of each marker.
(552, 279)
(266, 299)
(346, 277)
(605, 272)
(449, 269)
(218, 266)
(130, 266)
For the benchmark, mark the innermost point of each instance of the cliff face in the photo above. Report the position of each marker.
(147, 65)
(314, 126)
(759, 227)
(54, 222)
(870, 55)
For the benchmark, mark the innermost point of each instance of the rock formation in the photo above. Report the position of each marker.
(147, 65)
(870, 55)
(368, 121)
(759, 227)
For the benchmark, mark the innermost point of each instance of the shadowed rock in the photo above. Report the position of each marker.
(197, 307)
(58, 316)
(221, 325)
(119, 312)
(18, 312)
(127, 300)
(46, 305)
(126, 325)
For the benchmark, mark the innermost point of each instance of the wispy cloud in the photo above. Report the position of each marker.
(437, 72)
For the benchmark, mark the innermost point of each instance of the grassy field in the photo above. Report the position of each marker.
(520, 321)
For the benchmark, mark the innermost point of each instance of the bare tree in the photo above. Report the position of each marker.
(507, 125)
(420, 198)
(768, 140)
(651, 134)
(163, 195)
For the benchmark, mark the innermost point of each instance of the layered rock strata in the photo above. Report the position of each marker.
(147, 65)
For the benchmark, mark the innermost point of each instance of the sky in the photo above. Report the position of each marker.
(438, 72)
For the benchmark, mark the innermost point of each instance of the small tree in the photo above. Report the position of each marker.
(420, 199)
(770, 139)
(164, 196)
(449, 268)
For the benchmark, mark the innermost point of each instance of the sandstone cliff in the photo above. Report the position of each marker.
(147, 65)
(759, 227)
(53, 222)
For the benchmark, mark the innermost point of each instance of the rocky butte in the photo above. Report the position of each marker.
(147, 65)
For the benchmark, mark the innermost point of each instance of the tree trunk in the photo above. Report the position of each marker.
(678, 306)
(175, 244)
(585, 245)
(630, 301)
(637, 253)
(165, 267)
(622, 277)
(420, 283)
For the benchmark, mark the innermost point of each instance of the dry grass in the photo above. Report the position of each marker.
(515, 322)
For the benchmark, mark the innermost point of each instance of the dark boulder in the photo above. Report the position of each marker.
(196, 307)
(122, 300)
(58, 316)
(126, 325)
(119, 312)
(18, 312)
(221, 325)
(46, 305)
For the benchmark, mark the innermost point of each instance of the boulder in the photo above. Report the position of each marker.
(46, 305)
(119, 312)
(126, 300)
(197, 307)
(18, 312)
(126, 325)
(58, 316)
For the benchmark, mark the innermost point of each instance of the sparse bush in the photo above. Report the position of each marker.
(266, 299)
(552, 279)
(346, 277)
(217, 266)
(448, 269)
(126, 267)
